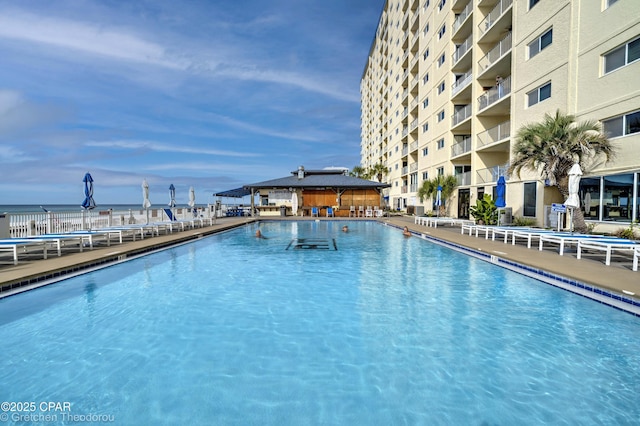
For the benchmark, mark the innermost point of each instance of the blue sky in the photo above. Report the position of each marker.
(209, 94)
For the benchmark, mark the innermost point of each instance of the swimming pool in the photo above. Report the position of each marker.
(384, 330)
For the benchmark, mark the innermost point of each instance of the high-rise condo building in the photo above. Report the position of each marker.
(448, 83)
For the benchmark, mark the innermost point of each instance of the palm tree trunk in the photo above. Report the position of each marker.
(579, 224)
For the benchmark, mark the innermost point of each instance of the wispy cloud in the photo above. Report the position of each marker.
(170, 148)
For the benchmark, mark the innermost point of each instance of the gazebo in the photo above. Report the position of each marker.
(319, 189)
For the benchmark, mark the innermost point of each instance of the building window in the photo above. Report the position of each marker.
(529, 208)
(441, 60)
(425, 152)
(441, 4)
(540, 43)
(540, 94)
(425, 78)
(610, 3)
(622, 125)
(426, 29)
(425, 127)
(442, 31)
(622, 56)
(533, 3)
(441, 87)
(425, 176)
(441, 116)
(425, 103)
(440, 171)
(426, 54)
(441, 143)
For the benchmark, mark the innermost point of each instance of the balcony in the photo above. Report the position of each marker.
(461, 114)
(499, 50)
(462, 147)
(405, 170)
(461, 82)
(405, 150)
(462, 49)
(492, 174)
(494, 16)
(463, 178)
(413, 125)
(462, 16)
(413, 146)
(495, 134)
(494, 94)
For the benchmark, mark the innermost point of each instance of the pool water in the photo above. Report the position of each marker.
(384, 330)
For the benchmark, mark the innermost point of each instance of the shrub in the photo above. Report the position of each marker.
(524, 221)
(485, 211)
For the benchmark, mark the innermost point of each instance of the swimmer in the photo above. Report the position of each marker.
(345, 228)
(259, 234)
(406, 232)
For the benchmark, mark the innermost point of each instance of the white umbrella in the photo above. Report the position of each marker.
(574, 186)
(145, 195)
(294, 203)
(192, 198)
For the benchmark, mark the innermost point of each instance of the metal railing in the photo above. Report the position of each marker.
(462, 49)
(494, 94)
(494, 15)
(461, 82)
(461, 147)
(461, 114)
(492, 173)
(462, 16)
(464, 178)
(495, 134)
(502, 47)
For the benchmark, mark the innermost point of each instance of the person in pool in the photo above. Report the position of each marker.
(406, 232)
(259, 235)
(345, 228)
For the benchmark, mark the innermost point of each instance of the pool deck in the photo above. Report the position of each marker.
(618, 278)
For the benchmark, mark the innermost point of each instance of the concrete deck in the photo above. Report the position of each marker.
(617, 278)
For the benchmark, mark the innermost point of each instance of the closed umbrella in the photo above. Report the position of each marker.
(501, 189)
(145, 195)
(294, 203)
(587, 204)
(88, 203)
(573, 201)
(192, 200)
(172, 200)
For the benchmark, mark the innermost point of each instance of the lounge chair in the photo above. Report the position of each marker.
(314, 211)
(368, 212)
(636, 256)
(330, 212)
(608, 245)
(352, 211)
(360, 211)
(562, 239)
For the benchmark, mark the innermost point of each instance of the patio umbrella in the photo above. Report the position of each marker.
(172, 194)
(145, 195)
(438, 200)
(88, 203)
(573, 201)
(587, 203)
(294, 203)
(192, 199)
(500, 193)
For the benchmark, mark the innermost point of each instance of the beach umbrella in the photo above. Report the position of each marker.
(145, 195)
(294, 203)
(501, 189)
(172, 195)
(88, 202)
(573, 201)
(438, 200)
(192, 200)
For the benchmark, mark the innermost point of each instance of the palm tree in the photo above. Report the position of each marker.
(378, 170)
(554, 145)
(359, 172)
(429, 188)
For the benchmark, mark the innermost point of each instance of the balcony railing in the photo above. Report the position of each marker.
(405, 131)
(493, 95)
(464, 178)
(495, 134)
(494, 15)
(496, 53)
(413, 146)
(462, 49)
(413, 125)
(405, 170)
(462, 16)
(492, 173)
(413, 187)
(461, 114)
(405, 150)
(461, 82)
(461, 147)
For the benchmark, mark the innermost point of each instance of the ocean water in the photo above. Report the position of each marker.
(36, 208)
(384, 330)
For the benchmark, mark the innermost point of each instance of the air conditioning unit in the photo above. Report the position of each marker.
(506, 216)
